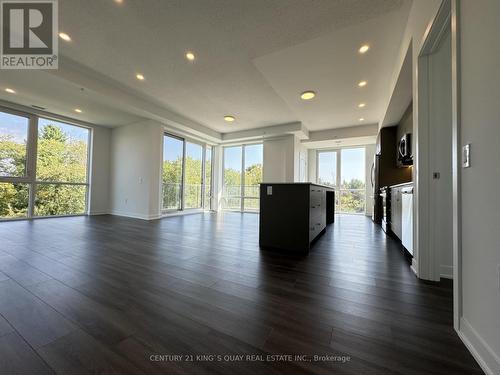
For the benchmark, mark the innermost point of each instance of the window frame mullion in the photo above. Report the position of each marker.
(31, 163)
(242, 189)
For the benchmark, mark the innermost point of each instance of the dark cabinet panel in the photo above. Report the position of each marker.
(387, 172)
(293, 215)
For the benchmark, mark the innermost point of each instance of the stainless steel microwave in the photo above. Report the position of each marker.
(405, 156)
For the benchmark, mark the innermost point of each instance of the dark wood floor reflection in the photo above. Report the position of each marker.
(104, 294)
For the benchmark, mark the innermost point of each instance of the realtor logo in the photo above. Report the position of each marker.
(29, 34)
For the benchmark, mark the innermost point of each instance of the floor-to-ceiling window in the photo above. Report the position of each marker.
(352, 181)
(344, 170)
(43, 167)
(242, 175)
(14, 191)
(186, 175)
(327, 168)
(61, 169)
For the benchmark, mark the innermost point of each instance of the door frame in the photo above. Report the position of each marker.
(428, 263)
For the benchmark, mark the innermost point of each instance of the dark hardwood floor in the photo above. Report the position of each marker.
(111, 295)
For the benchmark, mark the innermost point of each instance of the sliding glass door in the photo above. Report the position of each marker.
(43, 167)
(242, 175)
(186, 175)
(173, 161)
(345, 171)
(194, 176)
(252, 177)
(231, 196)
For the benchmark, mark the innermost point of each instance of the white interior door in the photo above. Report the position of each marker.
(440, 154)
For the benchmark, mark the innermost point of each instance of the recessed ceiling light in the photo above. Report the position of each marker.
(229, 118)
(78, 110)
(362, 83)
(190, 56)
(65, 37)
(361, 119)
(361, 105)
(364, 48)
(307, 95)
(139, 76)
(119, 1)
(10, 91)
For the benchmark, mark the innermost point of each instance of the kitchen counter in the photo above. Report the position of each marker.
(296, 183)
(401, 185)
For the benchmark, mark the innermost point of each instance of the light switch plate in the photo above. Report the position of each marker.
(269, 190)
(466, 156)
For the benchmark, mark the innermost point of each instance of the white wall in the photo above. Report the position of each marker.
(480, 117)
(136, 154)
(100, 172)
(279, 157)
(421, 15)
(311, 165)
(285, 160)
(300, 161)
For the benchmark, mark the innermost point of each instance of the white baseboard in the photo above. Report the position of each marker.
(414, 266)
(446, 272)
(480, 350)
(135, 215)
(95, 213)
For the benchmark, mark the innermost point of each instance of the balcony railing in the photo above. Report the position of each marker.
(172, 196)
(347, 200)
(232, 196)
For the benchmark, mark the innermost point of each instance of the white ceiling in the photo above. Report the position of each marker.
(253, 60)
(345, 142)
(332, 66)
(61, 97)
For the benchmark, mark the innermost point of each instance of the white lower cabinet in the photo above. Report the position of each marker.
(396, 211)
(407, 219)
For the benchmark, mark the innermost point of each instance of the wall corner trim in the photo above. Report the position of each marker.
(446, 272)
(480, 350)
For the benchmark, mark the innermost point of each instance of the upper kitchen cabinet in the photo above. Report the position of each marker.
(387, 148)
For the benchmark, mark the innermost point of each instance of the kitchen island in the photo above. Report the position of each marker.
(293, 215)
